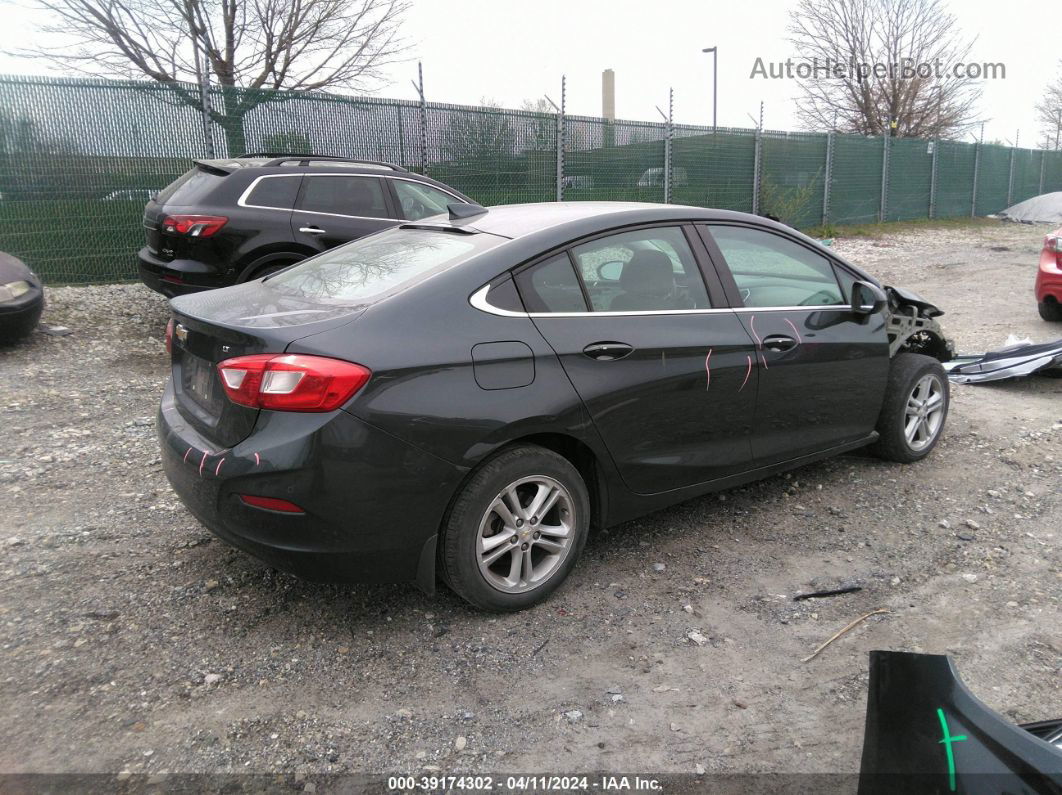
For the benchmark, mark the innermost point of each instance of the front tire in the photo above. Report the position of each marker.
(516, 530)
(916, 404)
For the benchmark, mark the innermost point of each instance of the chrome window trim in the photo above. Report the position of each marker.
(242, 201)
(478, 300)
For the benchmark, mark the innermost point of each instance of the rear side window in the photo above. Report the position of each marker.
(275, 192)
(646, 270)
(552, 286)
(773, 271)
(192, 187)
(339, 194)
(373, 267)
(419, 201)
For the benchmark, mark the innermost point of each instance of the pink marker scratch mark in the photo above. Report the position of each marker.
(257, 460)
(790, 322)
(218, 470)
(748, 372)
(203, 461)
(186, 452)
(707, 370)
(759, 342)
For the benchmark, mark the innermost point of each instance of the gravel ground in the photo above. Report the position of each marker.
(132, 640)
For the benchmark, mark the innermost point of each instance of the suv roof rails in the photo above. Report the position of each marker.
(279, 159)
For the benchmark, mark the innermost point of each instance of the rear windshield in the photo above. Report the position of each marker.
(192, 187)
(380, 264)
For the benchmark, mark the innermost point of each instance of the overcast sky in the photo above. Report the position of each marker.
(510, 51)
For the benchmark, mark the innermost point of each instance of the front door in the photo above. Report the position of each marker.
(667, 378)
(336, 208)
(822, 368)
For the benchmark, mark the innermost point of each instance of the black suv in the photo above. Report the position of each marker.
(228, 221)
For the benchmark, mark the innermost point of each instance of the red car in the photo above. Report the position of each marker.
(1049, 278)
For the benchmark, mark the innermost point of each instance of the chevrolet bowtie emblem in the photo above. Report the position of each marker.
(181, 332)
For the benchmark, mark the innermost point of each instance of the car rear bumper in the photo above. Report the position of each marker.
(372, 503)
(179, 276)
(1048, 283)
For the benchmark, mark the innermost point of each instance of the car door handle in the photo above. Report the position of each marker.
(312, 230)
(607, 351)
(779, 342)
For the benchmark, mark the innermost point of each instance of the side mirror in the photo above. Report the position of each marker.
(867, 298)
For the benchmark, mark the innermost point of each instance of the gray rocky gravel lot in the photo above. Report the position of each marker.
(132, 640)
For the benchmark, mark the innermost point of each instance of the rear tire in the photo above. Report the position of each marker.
(498, 549)
(916, 404)
(1050, 310)
(270, 263)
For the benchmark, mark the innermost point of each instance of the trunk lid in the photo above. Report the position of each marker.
(216, 325)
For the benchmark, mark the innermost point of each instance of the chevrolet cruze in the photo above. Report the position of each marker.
(465, 397)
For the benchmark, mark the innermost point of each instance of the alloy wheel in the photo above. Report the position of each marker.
(525, 534)
(924, 414)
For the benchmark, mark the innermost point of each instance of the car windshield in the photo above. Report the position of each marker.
(378, 265)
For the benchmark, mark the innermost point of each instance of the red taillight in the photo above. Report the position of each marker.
(169, 336)
(291, 382)
(194, 225)
(271, 504)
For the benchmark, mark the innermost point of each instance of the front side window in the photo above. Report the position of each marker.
(419, 201)
(373, 267)
(642, 270)
(339, 194)
(773, 271)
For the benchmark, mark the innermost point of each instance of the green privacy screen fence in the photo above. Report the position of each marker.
(79, 158)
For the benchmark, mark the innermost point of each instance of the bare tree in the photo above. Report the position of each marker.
(1049, 113)
(872, 63)
(247, 48)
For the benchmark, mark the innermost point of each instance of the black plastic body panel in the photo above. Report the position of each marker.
(926, 733)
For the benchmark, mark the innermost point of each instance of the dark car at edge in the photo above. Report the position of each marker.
(232, 220)
(465, 397)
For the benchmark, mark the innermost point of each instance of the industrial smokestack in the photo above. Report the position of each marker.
(608, 95)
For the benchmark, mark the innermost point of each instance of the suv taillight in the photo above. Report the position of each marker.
(194, 225)
(291, 382)
(169, 336)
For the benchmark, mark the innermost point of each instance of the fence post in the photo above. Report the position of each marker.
(423, 119)
(933, 181)
(1043, 158)
(668, 144)
(1010, 179)
(884, 203)
(757, 167)
(976, 176)
(560, 142)
(828, 179)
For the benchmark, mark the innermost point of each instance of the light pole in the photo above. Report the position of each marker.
(715, 81)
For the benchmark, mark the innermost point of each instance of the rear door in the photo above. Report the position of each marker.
(822, 369)
(336, 208)
(664, 368)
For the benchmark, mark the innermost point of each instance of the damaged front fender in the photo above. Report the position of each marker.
(911, 326)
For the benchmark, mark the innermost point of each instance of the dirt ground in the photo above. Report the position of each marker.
(132, 640)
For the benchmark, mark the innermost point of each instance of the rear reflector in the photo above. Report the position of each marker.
(271, 504)
(291, 382)
(169, 336)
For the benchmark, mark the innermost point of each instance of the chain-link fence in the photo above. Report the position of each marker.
(79, 159)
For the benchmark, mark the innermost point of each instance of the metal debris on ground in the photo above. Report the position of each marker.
(1017, 358)
(832, 592)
